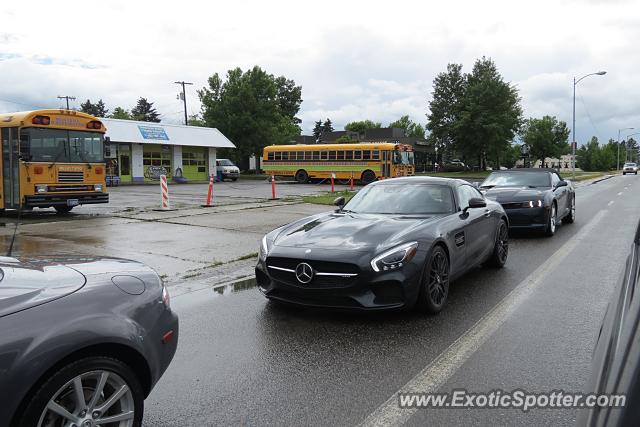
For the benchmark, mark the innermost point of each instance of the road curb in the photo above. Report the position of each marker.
(601, 179)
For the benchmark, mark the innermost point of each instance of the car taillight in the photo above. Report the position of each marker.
(166, 299)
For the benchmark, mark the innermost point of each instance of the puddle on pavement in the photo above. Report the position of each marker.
(235, 287)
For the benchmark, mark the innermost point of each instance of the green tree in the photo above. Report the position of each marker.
(345, 139)
(252, 108)
(97, 110)
(411, 129)
(196, 120)
(491, 114)
(317, 129)
(327, 126)
(362, 125)
(144, 111)
(546, 137)
(120, 113)
(445, 109)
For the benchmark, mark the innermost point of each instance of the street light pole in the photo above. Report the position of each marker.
(618, 158)
(574, 143)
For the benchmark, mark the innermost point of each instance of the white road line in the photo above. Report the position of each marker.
(610, 203)
(445, 365)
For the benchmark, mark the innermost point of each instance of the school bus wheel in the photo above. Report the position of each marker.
(368, 177)
(63, 209)
(302, 176)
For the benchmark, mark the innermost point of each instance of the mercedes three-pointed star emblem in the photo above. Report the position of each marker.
(304, 273)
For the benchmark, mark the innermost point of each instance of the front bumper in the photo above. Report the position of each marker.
(367, 291)
(230, 174)
(527, 218)
(52, 200)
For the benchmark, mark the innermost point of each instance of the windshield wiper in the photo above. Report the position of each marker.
(55, 159)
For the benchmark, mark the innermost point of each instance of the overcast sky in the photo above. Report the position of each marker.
(354, 60)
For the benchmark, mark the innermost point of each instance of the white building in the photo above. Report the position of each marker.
(563, 164)
(142, 151)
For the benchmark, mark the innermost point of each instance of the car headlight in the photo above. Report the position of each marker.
(264, 249)
(395, 257)
(97, 187)
(532, 204)
(41, 188)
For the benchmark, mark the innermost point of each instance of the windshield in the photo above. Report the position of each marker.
(225, 162)
(630, 164)
(517, 179)
(402, 199)
(58, 145)
(403, 157)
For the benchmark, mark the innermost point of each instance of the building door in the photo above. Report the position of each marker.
(10, 168)
(194, 163)
(124, 162)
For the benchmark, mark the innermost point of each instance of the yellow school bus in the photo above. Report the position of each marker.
(51, 158)
(365, 162)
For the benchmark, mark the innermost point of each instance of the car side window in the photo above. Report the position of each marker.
(555, 179)
(466, 193)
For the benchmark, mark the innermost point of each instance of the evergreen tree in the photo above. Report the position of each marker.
(317, 129)
(144, 111)
(327, 126)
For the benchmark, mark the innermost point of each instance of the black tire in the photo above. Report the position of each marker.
(368, 177)
(63, 209)
(34, 410)
(302, 176)
(500, 252)
(624, 173)
(552, 221)
(571, 216)
(434, 284)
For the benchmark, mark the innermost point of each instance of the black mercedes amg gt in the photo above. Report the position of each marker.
(533, 198)
(398, 243)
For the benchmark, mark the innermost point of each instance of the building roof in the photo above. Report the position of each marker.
(161, 133)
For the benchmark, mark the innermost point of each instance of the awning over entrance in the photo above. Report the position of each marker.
(159, 133)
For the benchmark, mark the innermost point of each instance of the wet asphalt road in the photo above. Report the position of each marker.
(243, 361)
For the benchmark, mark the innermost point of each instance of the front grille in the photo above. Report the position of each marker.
(334, 279)
(70, 176)
(53, 188)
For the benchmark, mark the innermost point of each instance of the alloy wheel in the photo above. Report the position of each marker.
(503, 243)
(91, 399)
(552, 219)
(438, 278)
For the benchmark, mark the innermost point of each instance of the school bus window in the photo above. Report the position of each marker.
(324, 155)
(349, 155)
(332, 155)
(340, 155)
(316, 155)
(270, 156)
(375, 155)
(366, 155)
(307, 155)
(285, 155)
(278, 155)
(357, 155)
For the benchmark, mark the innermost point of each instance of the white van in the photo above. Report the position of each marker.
(227, 169)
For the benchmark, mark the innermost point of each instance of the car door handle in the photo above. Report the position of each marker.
(487, 213)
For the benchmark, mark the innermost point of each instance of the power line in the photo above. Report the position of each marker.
(589, 116)
(67, 97)
(22, 103)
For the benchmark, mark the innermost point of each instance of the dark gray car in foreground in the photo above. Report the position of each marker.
(83, 340)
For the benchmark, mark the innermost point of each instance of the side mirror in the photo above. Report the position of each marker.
(474, 203)
(339, 202)
(562, 184)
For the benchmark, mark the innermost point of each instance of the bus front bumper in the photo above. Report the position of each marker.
(52, 200)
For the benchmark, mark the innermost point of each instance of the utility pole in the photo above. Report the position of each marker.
(184, 99)
(67, 97)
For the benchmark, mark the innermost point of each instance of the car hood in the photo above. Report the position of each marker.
(350, 232)
(514, 194)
